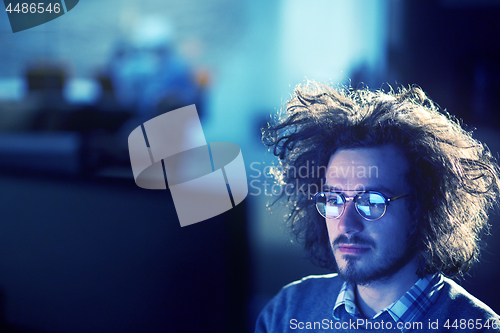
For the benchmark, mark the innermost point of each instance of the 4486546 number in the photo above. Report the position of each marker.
(34, 8)
(472, 324)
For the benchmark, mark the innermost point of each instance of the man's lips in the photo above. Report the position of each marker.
(352, 249)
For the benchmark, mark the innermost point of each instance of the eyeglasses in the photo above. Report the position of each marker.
(371, 205)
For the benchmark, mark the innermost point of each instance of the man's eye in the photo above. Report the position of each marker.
(334, 201)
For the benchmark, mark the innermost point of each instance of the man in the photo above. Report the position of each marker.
(395, 200)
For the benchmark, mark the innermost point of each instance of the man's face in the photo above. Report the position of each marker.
(367, 251)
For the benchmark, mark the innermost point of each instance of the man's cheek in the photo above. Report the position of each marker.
(331, 232)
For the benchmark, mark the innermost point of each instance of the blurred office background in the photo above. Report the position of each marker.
(82, 249)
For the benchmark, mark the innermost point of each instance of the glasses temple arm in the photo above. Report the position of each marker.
(398, 197)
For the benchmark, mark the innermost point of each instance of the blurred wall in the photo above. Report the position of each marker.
(86, 37)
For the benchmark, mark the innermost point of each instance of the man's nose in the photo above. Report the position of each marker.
(350, 222)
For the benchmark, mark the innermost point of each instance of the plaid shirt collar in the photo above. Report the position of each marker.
(411, 307)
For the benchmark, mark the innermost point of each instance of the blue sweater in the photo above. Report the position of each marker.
(307, 306)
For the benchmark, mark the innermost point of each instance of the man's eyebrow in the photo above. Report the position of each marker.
(378, 187)
(328, 188)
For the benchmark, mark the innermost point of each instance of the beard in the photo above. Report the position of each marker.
(384, 269)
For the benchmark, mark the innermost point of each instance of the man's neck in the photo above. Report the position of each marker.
(374, 297)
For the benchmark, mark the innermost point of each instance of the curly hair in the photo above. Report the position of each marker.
(453, 177)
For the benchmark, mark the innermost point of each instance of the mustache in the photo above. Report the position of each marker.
(353, 240)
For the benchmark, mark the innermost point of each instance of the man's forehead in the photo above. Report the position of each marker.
(373, 168)
(386, 156)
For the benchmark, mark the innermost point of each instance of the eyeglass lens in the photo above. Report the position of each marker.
(369, 205)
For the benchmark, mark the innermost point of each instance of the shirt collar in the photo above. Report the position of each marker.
(411, 307)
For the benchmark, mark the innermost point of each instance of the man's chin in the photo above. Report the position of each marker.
(348, 263)
(360, 271)
(355, 277)
(353, 274)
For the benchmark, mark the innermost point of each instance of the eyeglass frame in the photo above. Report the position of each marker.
(346, 200)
